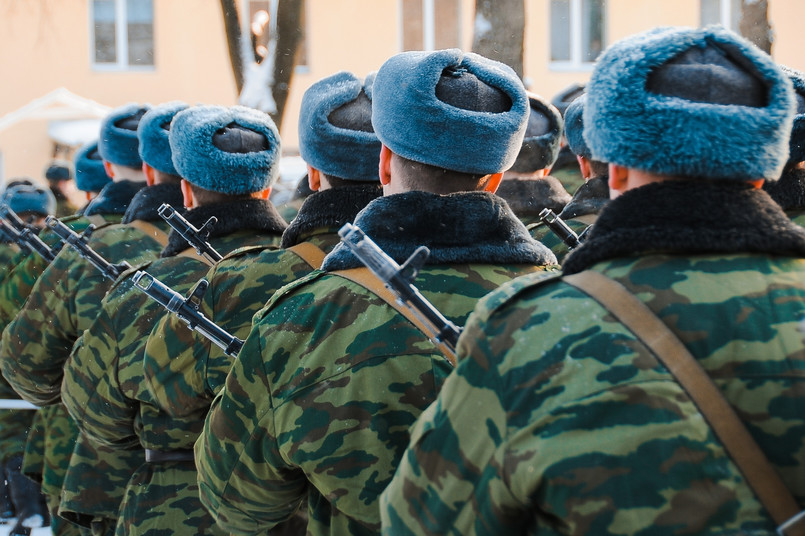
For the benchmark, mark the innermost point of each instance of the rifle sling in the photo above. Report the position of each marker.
(365, 278)
(191, 252)
(98, 221)
(151, 230)
(725, 423)
(310, 253)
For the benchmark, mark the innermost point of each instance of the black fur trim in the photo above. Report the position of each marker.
(114, 198)
(146, 203)
(529, 197)
(255, 214)
(686, 217)
(789, 190)
(473, 227)
(329, 209)
(590, 198)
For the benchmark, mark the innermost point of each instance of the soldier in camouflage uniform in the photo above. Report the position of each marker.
(527, 187)
(315, 410)
(789, 191)
(64, 300)
(566, 167)
(559, 419)
(52, 433)
(60, 176)
(228, 158)
(582, 210)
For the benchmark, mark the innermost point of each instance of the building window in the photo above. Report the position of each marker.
(123, 34)
(577, 32)
(724, 12)
(430, 24)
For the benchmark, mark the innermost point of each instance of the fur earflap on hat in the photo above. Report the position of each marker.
(796, 144)
(564, 98)
(574, 128)
(90, 175)
(233, 150)
(153, 130)
(25, 198)
(690, 102)
(118, 141)
(543, 137)
(413, 120)
(58, 171)
(347, 148)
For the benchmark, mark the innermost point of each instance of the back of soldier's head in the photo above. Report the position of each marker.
(153, 133)
(58, 171)
(118, 143)
(225, 152)
(450, 113)
(565, 98)
(90, 175)
(335, 129)
(695, 103)
(543, 137)
(30, 201)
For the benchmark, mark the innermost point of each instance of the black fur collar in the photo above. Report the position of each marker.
(254, 214)
(472, 227)
(528, 197)
(789, 190)
(590, 198)
(329, 209)
(114, 198)
(146, 202)
(688, 218)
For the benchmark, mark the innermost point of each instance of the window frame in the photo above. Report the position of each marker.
(575, 63)
(428, 26)
(121, 41)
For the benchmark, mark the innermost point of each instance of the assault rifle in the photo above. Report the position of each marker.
(27, 237)
(10, 234)
(187, 310)
(195, 237)
(79, 242)
(558, 226)
(398, 279)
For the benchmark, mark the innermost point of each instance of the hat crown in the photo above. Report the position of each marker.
(234, 138)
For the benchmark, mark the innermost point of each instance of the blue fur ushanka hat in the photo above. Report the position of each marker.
(412, 121)
(796, 144)
(574, 128)
(654, 130)
(90, 175)
(543, 137)
(118, 141)
(152, 132)
(233, 150)
(26, 198)
(346, 153)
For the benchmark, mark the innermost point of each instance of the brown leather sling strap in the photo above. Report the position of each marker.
(193, 254)
(310, 253)
(742, 448)
(365, 278)
(151, 230)
(98, 221)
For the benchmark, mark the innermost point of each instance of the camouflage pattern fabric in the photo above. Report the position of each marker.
(558, 421)
(33, 460)
(105, 393)
(317, 406)
(183, 370)
(60, 435)
(35, 345)
(570, 177)
(542, 233)
(798, 217)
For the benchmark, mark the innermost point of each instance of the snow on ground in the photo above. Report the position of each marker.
(5, 529)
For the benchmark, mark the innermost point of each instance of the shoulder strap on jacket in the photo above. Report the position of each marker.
(739, 444)
(310, 253)
(192, 253)
(363, 277)
(98, 221)
(151, 230)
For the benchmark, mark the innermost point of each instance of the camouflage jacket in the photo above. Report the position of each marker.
(184, 371)
(559, 421)
(317, 406)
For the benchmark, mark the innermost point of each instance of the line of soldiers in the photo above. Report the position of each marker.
(337, 412)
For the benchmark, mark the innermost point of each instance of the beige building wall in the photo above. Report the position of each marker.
(45, 45)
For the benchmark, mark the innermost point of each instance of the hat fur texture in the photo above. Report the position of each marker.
(25, 198)
(574, 128)
(200, 162)
(155, 149)
(411, 121)
(540, 151)
(120, 145)
(90, 175)
(336, 151)
(796, 144)
(627, 125)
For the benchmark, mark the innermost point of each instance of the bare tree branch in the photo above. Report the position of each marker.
(231, 16)
(499, 31)
(754, 23)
